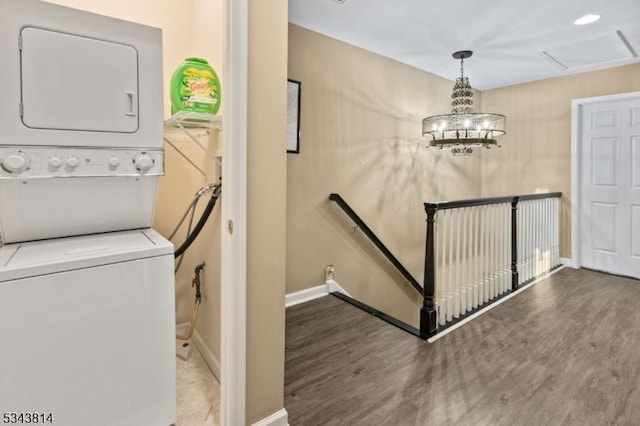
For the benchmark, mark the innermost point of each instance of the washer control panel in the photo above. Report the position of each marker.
(43, 162)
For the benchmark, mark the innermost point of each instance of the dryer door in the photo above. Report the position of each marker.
(78, 83)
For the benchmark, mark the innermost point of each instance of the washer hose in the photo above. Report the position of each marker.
(196, 282)
(201, 222)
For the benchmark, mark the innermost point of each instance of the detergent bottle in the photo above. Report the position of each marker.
(195, 87)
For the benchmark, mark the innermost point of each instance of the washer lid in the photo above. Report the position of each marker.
(23, 260)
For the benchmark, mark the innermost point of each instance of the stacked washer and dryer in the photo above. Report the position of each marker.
(87, 317)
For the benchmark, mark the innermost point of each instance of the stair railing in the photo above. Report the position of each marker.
(477, 251)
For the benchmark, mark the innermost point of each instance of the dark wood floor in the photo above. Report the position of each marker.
(566, 351)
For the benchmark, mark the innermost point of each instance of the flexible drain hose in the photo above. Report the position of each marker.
(201, 222)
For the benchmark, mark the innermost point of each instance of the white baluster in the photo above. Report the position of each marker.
(506, 224)
(548, 230)
(543, 233)
(539, 238)
(483, 254)
(456, 303)
(542, 237)
(487, 254)
(500, 254)
(525, 241)
(506, 246)
(508, 251)
(492, 252)
(462, 265)
(531, 239)
(450, 276)
(476, 255)
(468, 259)
(520, 241)
(556, 231)
(497, 267)
(534, 246)
(439, 229)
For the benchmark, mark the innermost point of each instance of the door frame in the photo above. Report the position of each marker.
(234, 216)
(577, 106)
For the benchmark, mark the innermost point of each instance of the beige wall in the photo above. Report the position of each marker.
(536, 152)
(361, 126)
(266, 207)
(189, 28)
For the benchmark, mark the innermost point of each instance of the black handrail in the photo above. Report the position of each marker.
(486, 201)
(376, 241)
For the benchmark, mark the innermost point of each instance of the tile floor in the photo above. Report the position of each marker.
(198, 392)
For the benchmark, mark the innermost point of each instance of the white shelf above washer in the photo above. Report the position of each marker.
(194, 120)
(188, 123)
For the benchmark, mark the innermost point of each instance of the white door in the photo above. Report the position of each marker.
(610, 193)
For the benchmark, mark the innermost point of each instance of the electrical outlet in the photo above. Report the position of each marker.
(328, 273)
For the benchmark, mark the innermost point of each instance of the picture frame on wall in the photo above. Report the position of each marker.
(293, 116)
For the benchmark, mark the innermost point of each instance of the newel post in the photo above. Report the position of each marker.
(428, 317)
(514, 243)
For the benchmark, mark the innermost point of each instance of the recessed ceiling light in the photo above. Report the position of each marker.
(586, 19)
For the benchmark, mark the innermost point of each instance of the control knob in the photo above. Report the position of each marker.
(55, 162)
(114, 162)
(72, 162)
(15, 163)
(143, 163)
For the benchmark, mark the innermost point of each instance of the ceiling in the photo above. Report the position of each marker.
(514, 41)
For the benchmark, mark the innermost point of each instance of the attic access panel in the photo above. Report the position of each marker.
(71, 82)
(602, 49)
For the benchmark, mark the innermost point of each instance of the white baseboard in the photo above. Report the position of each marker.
(333, 286)
(567, 261)
(279, 418)
(207, 355)
(493, 305)
(309, 294)
(306, 295)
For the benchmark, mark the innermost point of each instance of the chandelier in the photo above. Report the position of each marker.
(463, 129)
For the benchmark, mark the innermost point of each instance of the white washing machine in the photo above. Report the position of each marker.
(87, 329)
